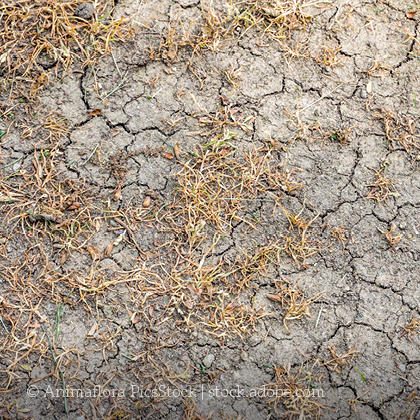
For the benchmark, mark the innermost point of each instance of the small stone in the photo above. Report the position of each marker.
(85, 10)
(244, 356)
(363, 94)
(208, 360)
(16, 167)
(402, 367)
(403, 225)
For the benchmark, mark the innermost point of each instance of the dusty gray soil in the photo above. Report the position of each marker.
(130, 340)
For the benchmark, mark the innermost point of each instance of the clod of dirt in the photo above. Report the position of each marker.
(46, 61)
(208, 360)
(85, 10)
(152, 194)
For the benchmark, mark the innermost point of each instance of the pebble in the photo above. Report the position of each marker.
(208, 360)
(402, 367)
(403, 225)
(16, 167)
(85, 10)
(363, 94)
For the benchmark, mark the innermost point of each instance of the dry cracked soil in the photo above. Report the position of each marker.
(226, 228)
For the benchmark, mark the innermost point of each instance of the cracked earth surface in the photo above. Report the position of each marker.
(370, 289)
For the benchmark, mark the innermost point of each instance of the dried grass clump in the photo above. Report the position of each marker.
(338, 362)
(40, 38)
(216, 28)
(340, 235)
(294, 392)
(44, 206)
(214, 189)
(293, 301)
(392, 239)
(381, 188)
(400, 132)
(200, 296)
(213, 193)
(411, 327)
(275, 18)
(301, 244)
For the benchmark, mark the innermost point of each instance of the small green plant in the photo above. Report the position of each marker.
(361, 374)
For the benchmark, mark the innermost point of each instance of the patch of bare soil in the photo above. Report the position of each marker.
(209, 210)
